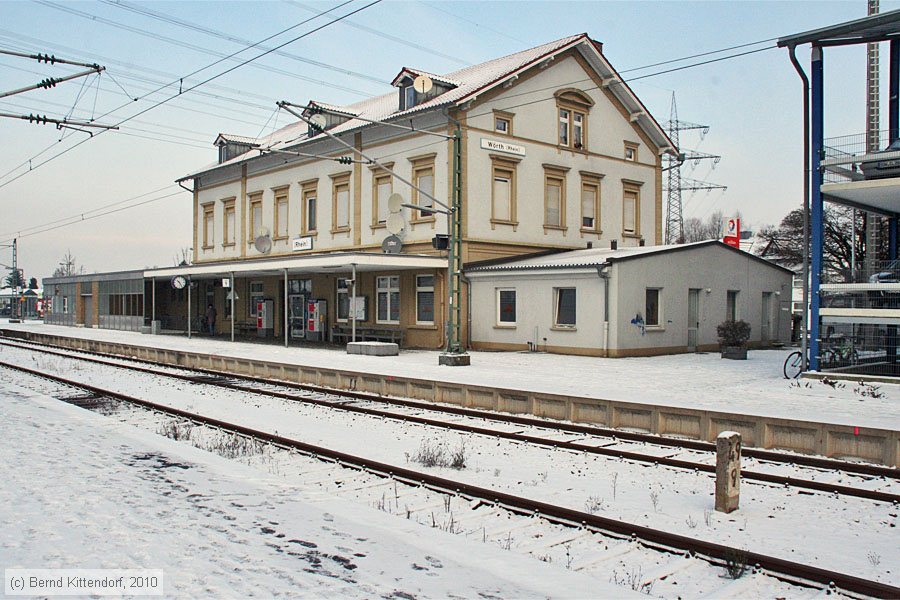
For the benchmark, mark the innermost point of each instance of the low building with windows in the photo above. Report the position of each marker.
(99, 300)
(633, 301)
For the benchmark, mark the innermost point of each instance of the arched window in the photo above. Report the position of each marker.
(572, 107)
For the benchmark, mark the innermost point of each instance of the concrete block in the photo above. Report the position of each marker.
(373, 348)
(728, 471)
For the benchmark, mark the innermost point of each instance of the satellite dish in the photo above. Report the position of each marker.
(391, 245)
(423, 84)
(395, 223)
(395, 203)
(318, 121)
(263, 244)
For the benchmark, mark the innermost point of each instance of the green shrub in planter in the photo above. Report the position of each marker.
(733, 337)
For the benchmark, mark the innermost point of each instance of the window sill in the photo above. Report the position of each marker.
(563, 328)
(311, 234)
(387, 322)
(231, 245)
(654, 328)
(423, 327)
(210, 247)
(555, 228)
(422, 220)
(279, 238)
(375, 226)
(504, 326)
(572, 149)
(635, 236)
(340, 230)
(495, 222)
(592, 231)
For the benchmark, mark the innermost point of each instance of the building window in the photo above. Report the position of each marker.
(503, 122)
(228, 223)
(65, 305)
(209, 225)
(343, 299)
(341, 204)
(652, 309)
(631, 152)
(573, 106)
(503, 191)
(425, 299)
(383, 188)
(423, 178)
(256, 293)
(409, 97)
(631, 210)
(308, 208)
(554, 199)
(281, 214)
(731, 305)
(256, 219)
(590, 206)
(564, 307)
(506, 307)
(388, 299)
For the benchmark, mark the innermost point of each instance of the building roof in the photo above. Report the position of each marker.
(874, 28)
(597, 257)
(471, 82)
(224, 138)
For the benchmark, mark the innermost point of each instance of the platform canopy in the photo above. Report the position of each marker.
(876, 28)
(334, 262)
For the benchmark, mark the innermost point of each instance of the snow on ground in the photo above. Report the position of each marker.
(84, 491)
(702, 381)
(834, 533)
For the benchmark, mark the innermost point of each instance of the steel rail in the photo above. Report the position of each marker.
(652, 538)
(679, 443)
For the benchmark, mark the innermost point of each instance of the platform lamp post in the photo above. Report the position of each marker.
(454, 354)
(17, 279)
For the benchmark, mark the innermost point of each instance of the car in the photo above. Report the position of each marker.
(889, 273)
(880, 169)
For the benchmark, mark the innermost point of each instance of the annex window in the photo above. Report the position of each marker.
(554, 198)
(425, 299)
(572, 109)
(383, 187)
(341, 203)
(228, 224)
(255, 293)
(388, 299)
(503, 122)
(503, 191)
(652, 317)
(209, 225)
(281, 213)
(308, 206)
(731, 305)
(343, 300)
(631, 209)
(590, 203)
(256, 219)
(506, 307)
(564, 307)
(631, 151)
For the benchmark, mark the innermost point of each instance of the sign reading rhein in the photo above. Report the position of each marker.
(499, 146)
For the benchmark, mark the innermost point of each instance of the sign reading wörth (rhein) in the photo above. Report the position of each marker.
(498, 146)
(302, 243)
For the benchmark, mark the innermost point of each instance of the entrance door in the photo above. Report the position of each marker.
(88, 303)
(765, 325)
(297, 306)
(693, 319)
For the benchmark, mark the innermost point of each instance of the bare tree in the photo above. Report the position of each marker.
(67, 266)
(696, 230)
(184, 256)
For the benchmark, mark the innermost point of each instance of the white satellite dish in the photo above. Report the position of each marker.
(423, 84)
(395, 223)
(263, 244)
(318, 120)
(391, 245)
(395, 203)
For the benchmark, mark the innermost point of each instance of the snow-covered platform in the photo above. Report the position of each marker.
(695, 395)
(82, 491)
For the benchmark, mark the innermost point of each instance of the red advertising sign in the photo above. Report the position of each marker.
(733, 233)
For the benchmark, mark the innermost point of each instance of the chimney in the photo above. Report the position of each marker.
(614, 244)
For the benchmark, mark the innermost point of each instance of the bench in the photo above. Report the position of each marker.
(244, 328)
(341, 334)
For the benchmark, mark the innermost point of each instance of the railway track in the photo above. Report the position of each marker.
(684, 454)
(677, 565)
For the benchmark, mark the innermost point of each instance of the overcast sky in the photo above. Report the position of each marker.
(752, 103)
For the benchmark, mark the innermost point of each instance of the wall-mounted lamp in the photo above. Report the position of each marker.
(709, 290)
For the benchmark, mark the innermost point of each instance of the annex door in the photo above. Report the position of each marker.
(693, 319)
(765, 325)
(87, 302)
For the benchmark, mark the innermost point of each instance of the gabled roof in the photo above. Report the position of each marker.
(597, 257)
(341, 110)
(224, 138)
(413, 73)
(473, 82)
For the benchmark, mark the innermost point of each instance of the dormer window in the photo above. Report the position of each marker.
(409, 97)
(334, 116)
(231, 146)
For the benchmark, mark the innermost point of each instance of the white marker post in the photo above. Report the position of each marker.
(728, 471)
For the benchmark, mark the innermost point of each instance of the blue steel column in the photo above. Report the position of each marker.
(894, 130)
(816, 229)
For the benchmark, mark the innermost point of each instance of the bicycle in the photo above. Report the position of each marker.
(839, 354)
(793, 365)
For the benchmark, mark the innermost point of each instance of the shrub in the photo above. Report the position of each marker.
(733, 333)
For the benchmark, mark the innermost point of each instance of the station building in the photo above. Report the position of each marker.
(294, 238)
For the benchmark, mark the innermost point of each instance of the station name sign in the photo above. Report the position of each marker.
(299, 244)
(499, 146)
